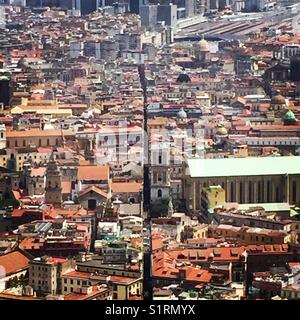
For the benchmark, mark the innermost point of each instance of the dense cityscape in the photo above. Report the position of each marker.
(149, 150)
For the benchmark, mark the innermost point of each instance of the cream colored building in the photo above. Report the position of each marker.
(41, 107)
(37, 138)
(124, 288)
(45, 274)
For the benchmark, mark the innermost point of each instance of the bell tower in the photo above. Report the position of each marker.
(160, 172)
(2, 136)
(53, 189)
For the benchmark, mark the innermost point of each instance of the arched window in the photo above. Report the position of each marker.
(231, 191)
(241, 192)
(131, 200)
(159, 193)
(268, 191)
(294, 192)
(277, 195)
(250, 194)
(259, 191)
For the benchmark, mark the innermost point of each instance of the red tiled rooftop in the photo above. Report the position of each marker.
(92, 172)
(53, 260)
(93, 188)
(82, 296)
(119, 187)
(123, 280)
(30, 244)
(37, 133)
(13, 262)
(77, 274)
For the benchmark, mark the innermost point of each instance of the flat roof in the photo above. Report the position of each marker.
(250, 166)
(269, 207)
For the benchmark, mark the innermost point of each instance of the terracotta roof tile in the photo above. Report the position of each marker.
(123, 187)
(13, 262)
(93, 188)
(93, 172)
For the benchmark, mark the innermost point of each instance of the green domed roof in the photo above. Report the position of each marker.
(289, 117)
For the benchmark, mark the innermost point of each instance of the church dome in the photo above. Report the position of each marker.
(182, 114)
(222, 131)
(278, 99)
(203, 45)
(289, 117)
(183, 78)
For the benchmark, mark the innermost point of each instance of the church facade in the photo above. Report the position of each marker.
(245, 180)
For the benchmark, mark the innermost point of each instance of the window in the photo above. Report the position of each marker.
(159, 159)
(159, 193)
(268, 191)
(131, 200)
(277, 195)
(241, 192)
(65, 280)
(250, 192)
(294, 192)
(48, 142)
(259, 191)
